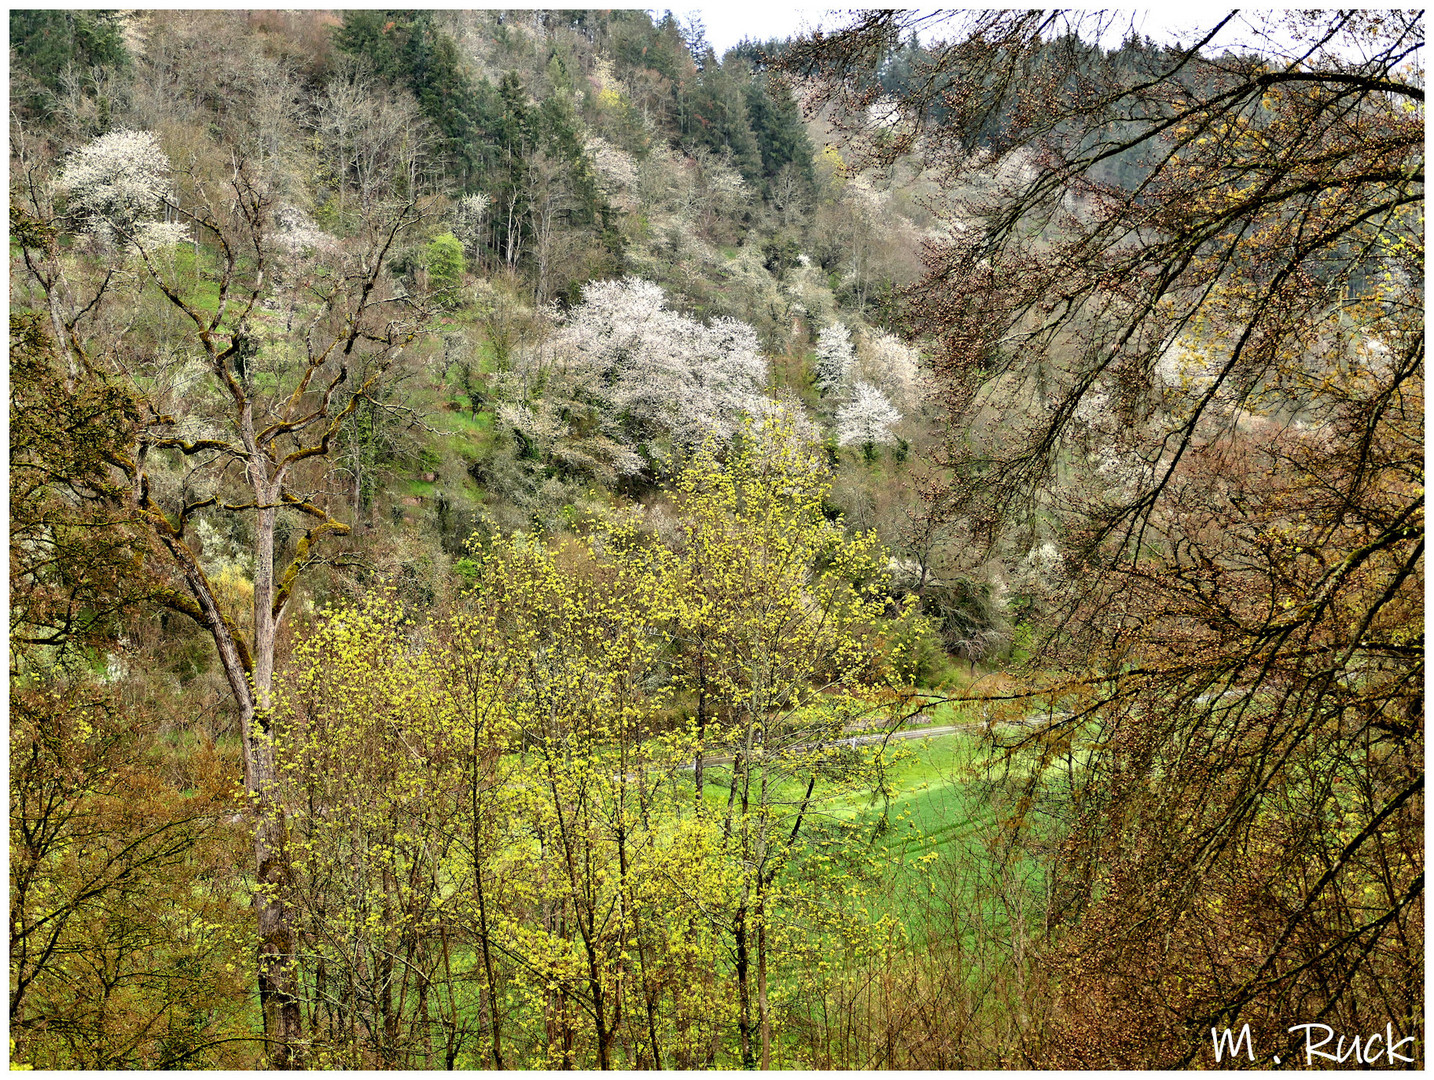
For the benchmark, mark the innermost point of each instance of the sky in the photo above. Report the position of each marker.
(727, 24)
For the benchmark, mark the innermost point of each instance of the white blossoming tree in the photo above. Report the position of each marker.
(116, 181)
(470, 218)
(624, 370)
(783, 413)
(617, 172)
(834, 358)
(891, 365)
(867, 419)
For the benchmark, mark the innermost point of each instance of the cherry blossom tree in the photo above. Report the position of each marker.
(834, 358)
(624, 370)
(891, 365)
(469, 217)
(867, 419)
(115, 181)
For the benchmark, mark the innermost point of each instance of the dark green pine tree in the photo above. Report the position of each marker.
(776, 124)
(407, 48)
(45, 45)
(717, 117)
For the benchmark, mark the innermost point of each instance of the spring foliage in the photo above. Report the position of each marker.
(501, 800)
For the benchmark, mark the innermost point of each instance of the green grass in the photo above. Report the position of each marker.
(935, 802)
(465, 438)
(932, 779)
(931, 830)
(933, 797)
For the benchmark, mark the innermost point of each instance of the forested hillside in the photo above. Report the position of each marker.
(537, 545)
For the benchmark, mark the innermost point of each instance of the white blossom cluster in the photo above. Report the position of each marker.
(721, 179)
(297, 232)
(834, 358)
(664, 373)
(1186, 365)
(784, 414)
(1042, 570)
(867, 205)
(115, 181)
(625, 367)
(883, 370)
(547, 423)
(867, 419)
(616, 169)
(807, 291)
(712, 187)
(747, 276)
(152, 235)
(469, 215)
(893, 366)
(220, 553)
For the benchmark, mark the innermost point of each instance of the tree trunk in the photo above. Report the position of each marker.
(701, 726)
(494, 1027)
(278, 962)
(278, 967)
(279, 1002)
(764, 1016)
(278, 982)
(744, 996)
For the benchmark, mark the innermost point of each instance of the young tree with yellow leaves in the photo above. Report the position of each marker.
(498, 801)
(775, 607)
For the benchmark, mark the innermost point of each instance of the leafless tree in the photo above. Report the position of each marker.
(1179, 314)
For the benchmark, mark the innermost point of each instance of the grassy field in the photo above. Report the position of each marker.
(944, 806)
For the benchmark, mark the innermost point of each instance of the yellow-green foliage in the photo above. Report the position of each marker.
(128, 927)
(499, 855)
(780, 600)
